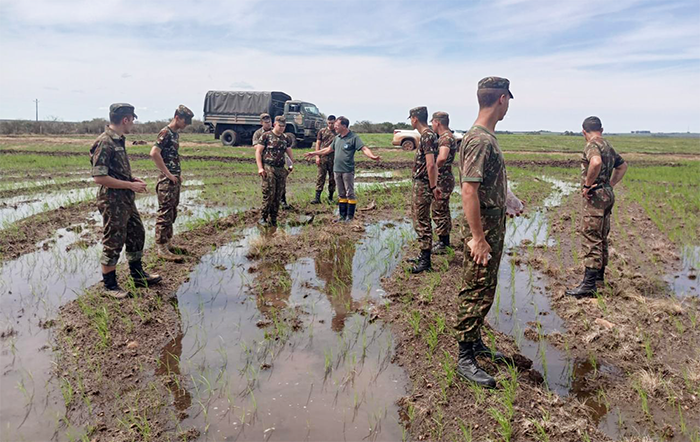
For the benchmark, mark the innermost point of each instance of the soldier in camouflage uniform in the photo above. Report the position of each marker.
(266, 123)
(116, 202)
(165, 154)
(601, 169)
(484, 186)
(425, 176)
(447, 149)
(269, 156)
(325, 162)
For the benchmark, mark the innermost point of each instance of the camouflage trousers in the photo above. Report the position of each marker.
(595, 227)
(168, 199)
(283, 194)
(122, 226)
(479, 282)
(441, 207)
(422, 199)
(272, 190)
(325, 167)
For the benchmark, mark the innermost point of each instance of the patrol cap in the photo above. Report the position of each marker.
(121, 109)
(184, 112)
(442, 117)
(421, 112)
(264, 116)
(280, 119)
(495, 83)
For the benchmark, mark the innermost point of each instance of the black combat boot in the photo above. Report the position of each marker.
(351, 212)
(440, 247)
(600, 277)
(481, 349)
(273, 221)
(140, 277)
(343, 211)
(423, 262)
(263, 222)
(112, 287)
(587, 287)
(283, 203)
(330, 197)
(468, 368)
(317, 200)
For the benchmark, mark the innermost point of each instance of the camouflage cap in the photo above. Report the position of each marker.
(495, 83)
(264, 116)
(421, 112)
(184, 112)
(442, 117)
(280, 119)
(121, 109)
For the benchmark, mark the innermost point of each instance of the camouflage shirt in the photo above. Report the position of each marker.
(168, 142)
(291, 140)
(108, 156)
(274, 148)
(257, 134)
(599, 147)
(481, 161)
(427, 145)
(447, 139)
(325, 137)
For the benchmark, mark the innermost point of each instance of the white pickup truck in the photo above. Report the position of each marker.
(408, 139)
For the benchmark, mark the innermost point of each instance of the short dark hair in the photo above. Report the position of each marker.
(344, 121)
(331, 118)
(592, 124)
(489, 97)
(117, 118)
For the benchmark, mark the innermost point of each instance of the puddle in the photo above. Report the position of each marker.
(19, 207)
(27, 185)
(686, 281)
(32, 288)
(326, 378)
(381, 184)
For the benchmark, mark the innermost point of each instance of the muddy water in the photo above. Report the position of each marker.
(19, 207)
(323, 374)
(686, 281)
(32, 288)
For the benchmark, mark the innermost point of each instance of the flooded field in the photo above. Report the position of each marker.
(318, 331)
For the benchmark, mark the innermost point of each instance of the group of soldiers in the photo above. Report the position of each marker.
(486, 199)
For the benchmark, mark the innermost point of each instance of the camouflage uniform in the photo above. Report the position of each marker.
(481, 161)
(168, 192)
(325, 165)
(422, 195)
(258, 133)
(595, 225)
(446, 184)
(291, 142)
(122, 222)
(274, 148)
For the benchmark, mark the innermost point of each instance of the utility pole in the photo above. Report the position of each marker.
(37, 109)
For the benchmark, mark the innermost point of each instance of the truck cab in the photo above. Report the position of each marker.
(303, 120)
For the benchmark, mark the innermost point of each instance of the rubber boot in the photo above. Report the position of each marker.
(112, 287)
(587, 287)
(317, 199)
(140, 277)
(330, 197)
(440, 247)
(163, 252)
(481, 349)
(469, 369)
(423, 262)
(351, 212)
(343, 210)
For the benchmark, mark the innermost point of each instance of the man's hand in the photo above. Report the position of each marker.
(377, 158)
(480, 251)
(514, 206)
(437, 193)
(262, 173)
(138, 186)
(138, 180)
(318, 161)
(291, 167)
(172, 177)
(586, 193)
(308, 155)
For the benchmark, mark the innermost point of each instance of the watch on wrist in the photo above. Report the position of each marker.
(586, 187)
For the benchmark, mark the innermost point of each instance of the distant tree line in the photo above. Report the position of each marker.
(95, 126)
(367, 127)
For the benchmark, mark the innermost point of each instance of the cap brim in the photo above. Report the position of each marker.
(136, 117)
(511, 94)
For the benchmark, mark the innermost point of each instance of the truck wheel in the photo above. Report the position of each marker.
(229, 137)
(406, 144)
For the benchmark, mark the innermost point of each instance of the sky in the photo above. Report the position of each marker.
(633, 63)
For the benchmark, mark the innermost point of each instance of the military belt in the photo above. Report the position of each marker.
(492, 211)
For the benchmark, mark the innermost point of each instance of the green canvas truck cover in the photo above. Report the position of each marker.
(241, 102)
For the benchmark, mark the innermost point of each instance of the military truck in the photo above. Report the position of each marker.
(233, 116)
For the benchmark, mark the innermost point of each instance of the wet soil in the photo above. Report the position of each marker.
(638, 324)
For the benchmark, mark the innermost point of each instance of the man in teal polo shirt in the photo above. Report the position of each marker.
(345, 144)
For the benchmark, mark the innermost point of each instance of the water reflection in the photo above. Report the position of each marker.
(334, 266)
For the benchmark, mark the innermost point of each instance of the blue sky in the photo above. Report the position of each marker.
(634, 63)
